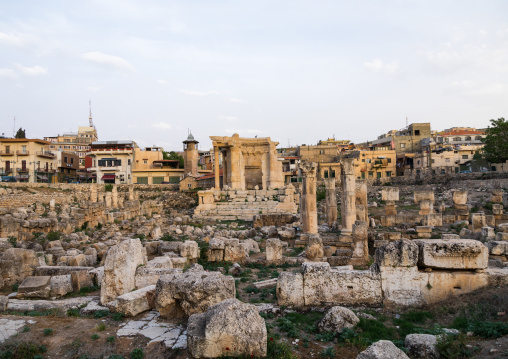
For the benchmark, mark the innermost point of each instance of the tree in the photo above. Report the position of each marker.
(20, 133)
(496, 141)
(173, 156)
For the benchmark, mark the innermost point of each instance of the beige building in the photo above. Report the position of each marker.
(445, 161)
(112, 161)
(247, 162)
(377, 163)
(74, 142)
(29, 160)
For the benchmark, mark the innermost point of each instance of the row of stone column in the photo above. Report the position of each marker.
(111, 199)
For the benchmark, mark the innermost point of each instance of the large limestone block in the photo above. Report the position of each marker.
(35, 287)
(420, 196)
(422, 346)
(390, 193)
(234, 251)
(146, 275)
(314, 249)
(274, 248)
(452, 254)
(135, 302)
(16, 264)
(190, 250)
(459, 197)
(497, 248)
(322, 286)
(60, 285)
(402, 286)
(194, 291)
(440, 285)
(401, 253)
(383, 349)
(290, 289)
(120, 267)
(337, 319)
(230, 328)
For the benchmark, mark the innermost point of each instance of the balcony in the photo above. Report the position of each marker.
(7, 153)
(46, 154)
(109, 168)
(23, 153)
(22, 170)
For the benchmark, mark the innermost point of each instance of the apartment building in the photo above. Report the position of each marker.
(67, 167)
(376, 163)
(78, 143)
(112, 161)
(29, 160)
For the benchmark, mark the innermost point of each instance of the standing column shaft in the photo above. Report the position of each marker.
(216, 167)
(308, 198)
(348, 206)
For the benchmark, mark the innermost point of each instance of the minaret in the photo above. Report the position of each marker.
(190, 156)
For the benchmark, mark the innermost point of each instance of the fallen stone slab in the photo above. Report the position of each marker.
(35, 287)
(136, 302)
(9, 328)
(452, 254)
(93, 307)
(59, 270)
(269, 283)
(23, 305)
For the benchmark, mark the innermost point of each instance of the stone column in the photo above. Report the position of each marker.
(497, 196)
(216, 167)
(308, 209)
(131, 193)
(225, 168)
(426, 201)
(93, 192)
(459, 198)
(52, 204)
(237, 180)
(275, 176)
(348, 205)
(390, 195)
(360, 243)
(108, 200)
(362, 209)
(114, 196)
(331, 202)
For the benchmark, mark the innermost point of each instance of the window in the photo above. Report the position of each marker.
(326, 174)
(332, 173)
(23, 165)
(418, 162)
(7, 149)
(129, 161)
(417, 172)
(458, 139)
(65, 159)
(23, 149)
(371, 174)
(321, 152)
(388, 173)
(389, 160)
(432, 161)
(72, 161)
(468, 138)
(363, 159)
(465, 157)
(145, 161)
(443, 171)
(447, 160)
(363, 175)
(402, 145)
(417, 132)
(378, 174)
(368, 160)
(478, 138)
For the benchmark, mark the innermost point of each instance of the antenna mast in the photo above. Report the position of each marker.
(14, 127)
(90, 116)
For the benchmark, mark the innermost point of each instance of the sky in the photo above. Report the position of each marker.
(296, 71)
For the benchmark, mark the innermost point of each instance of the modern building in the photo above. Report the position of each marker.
(375, 163)
(29, 160)
(67, 167)
(112, 161)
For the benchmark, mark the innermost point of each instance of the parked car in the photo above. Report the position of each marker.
(8, 179)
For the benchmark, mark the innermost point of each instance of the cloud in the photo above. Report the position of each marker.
(235, 100)
(132, 126)
(198, 93)
(32, 71)
(378, 66)
(228, 118)
(12, 39)
(8, 73)
(161, 125)
(93, 88)
(162, 82)
(108, 61)
(464, 83)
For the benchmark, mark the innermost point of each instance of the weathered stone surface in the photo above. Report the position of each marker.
(274, 248)
(498, 248)
(422, 346)
(16, 264)
(81, 279)
(229, 328)
(60, 285)
(35, 287)
(383, 349)
(120, 268)
(314, 249)
(22, 305)
(452, 254)
(146, 275)
(401, 253)
(337, 319)
(4, 300)
(290, 289)
(194, 291)
(135, 302)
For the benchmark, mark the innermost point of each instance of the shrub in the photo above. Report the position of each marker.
(108, 187)
(454, 346)
(100, 327)
(117, 316)
(95, 336)
(47, 331)
(327, 353)
(73, 312)
(137, 354)
(110, 339)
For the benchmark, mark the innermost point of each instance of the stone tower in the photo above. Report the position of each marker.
(190, 156)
